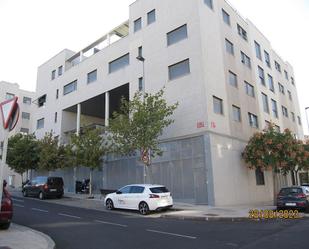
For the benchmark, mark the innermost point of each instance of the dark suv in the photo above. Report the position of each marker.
(44, 186)
(295, 197)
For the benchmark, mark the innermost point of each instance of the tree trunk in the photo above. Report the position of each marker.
(90, 182)
(275, 186)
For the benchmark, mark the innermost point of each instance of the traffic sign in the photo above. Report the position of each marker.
(10, 113)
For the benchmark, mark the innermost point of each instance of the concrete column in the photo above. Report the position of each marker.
(77, 133)
(78, 119)
(107, 109)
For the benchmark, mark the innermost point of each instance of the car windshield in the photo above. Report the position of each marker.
(158, 190)
(55, 181)
(291, 191)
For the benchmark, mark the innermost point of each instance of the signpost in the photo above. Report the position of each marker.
(9, 114)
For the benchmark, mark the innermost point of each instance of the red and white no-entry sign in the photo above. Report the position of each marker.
(10, 113)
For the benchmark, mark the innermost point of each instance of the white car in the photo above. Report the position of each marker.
(142, 197)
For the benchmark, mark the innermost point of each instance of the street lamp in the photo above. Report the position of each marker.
(144, 153)
(307, 117)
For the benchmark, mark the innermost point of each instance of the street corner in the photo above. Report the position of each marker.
(22, 237)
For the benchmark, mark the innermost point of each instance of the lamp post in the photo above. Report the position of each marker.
(144, 154)
(307, 117)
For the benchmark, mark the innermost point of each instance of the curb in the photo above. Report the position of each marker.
(50, 242)
(233, 219)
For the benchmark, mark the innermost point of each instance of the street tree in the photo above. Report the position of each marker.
(139, 123)
(89, 148)
(279, 152)
(53, 155)
(23, 153)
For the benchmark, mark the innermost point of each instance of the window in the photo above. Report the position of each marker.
(218, 105)
(249, 89)
(179, 69)
(24, 130)
(25, 115)
(265, 103)
(60, 70)
(177, 35)
(259, 176)
(261, 75)
(258, 50)
(209, 3)
(285, 112)
(232, 79)
(56, 117)
(9, 96)
(299, 120)
(267, 59)
(71, 87)
(267, 124)
(236, 113)
(229, 47)
(242, 32)
(274, 108)
(226, 17)
(281, 88)
(253, 120)
(119, 63)
(57, 93)
(53, 74)
(140, 51)
(92, 76)
(136, 190)
(278, 66)
(292, 81)
(245, 59)
(271, 83)
(138, 24)
(125, 190)
(27, 100)
(42, 100)
(293, 116)
(140, 84)
(286, 74)
(151, 17)
(40, 123)
(290, 95)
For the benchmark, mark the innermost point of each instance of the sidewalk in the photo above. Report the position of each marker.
(20, 237)
(183, 210)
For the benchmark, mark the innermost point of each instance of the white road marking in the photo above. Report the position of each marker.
(40, 210)
(110, 223)
(18, 200)
(172, 234)
(70, 216)
(18, 205)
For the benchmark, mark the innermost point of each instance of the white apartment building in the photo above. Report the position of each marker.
(222, 70)
(8, 91)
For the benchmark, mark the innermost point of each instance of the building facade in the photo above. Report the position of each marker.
(8, 91)
(222, 70)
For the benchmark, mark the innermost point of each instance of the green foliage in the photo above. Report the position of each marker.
(23, 153)
(280, 152)
(140, 122)
(53, 156)
(89, 147)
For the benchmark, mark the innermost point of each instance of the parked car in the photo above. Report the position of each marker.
(142, 197)
(44, 186)
(6, 212)
(295, 197)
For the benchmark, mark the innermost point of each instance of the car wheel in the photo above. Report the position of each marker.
(59, 196)
(5, 226)
(41, 196)
(109, 204)
(25, 194)
(143, 208)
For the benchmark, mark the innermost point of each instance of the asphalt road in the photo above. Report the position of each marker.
(78, 228)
